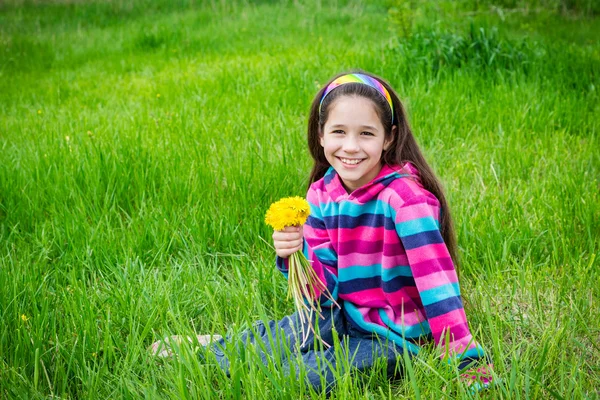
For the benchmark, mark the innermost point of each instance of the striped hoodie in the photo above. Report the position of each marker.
(380, 251)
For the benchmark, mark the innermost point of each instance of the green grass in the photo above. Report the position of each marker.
(126, 216)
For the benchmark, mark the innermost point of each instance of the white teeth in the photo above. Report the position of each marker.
(350, 161)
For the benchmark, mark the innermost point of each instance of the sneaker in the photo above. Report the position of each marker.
(164, 348)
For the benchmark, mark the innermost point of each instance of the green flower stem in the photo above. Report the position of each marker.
(304, 288)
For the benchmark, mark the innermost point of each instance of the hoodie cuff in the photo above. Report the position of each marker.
(282, 264)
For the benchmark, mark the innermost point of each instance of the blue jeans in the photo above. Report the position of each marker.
(282, 341)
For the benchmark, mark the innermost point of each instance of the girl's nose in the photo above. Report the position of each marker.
(351, 144)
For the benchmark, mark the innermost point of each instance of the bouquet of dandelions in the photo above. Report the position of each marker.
(304, 285)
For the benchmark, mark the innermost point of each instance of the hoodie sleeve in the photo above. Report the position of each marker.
(318, 250)
(417, 224)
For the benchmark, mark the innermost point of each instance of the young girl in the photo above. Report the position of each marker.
(379, 235)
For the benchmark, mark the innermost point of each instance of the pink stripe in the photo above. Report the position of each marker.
(366, 298)
(367, 260)
(460, 346)
(359, 259)
(315, 237)
(459, 332)
(436, 279)
(427, 253)
(407, 296)
(363, 311)
(394, 261)
(406, 189)
(410, 318)
(373, 316)
(319, 195)
(362, 233)
(445, 321)
(420, 210)
(371, 191)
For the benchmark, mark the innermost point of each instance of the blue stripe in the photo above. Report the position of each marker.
(422, 239)
(329, 175)
(329, 263)
(315, 211)
(315, 222)
(398, 283)
(375, 282)
(280, 263)
(388, 179)
(354, 210)
(356, 317)
(468, 356)
(364, 220)
(355, 272)
(328, 209)
(417, 225)
(475, 352)
(440, 293)
(370, 271)
(400, 270)
(443, 307)
(326, 254)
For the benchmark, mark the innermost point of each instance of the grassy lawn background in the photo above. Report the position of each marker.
(142, 142)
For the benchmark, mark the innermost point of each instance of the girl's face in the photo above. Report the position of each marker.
(353, 140)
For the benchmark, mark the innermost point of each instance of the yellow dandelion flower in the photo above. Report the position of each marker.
(39, 111)
(289, 211)
(158, 95)
(24, 318)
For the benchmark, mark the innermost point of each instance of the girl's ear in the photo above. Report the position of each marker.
(387, 142)
(321, 141)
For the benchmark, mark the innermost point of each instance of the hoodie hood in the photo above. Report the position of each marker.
(387, 175)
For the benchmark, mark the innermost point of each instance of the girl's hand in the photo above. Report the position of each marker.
(288, 241)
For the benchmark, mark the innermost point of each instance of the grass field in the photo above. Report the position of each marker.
(141, 143)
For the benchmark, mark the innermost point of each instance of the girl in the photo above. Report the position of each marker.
(379, 235)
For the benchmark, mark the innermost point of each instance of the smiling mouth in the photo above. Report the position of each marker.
(350, 161)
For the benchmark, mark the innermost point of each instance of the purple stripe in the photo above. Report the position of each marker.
(315, 223)
(422, 239)
(431, 266)
(443, 307)
(360, 246)
(367, 247)
(360, 284)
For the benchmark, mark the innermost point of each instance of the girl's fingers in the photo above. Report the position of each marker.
(287, 235)
(288, 244)
(286, 252)
(288, 241)
(285, 249)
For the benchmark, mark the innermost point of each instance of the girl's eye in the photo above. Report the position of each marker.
(368, 134)
(339, 131)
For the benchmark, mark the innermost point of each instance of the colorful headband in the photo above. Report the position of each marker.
(359, 78)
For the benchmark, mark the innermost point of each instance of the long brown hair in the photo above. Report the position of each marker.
(403, 145)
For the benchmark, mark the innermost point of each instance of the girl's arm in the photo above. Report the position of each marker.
(435, 277)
